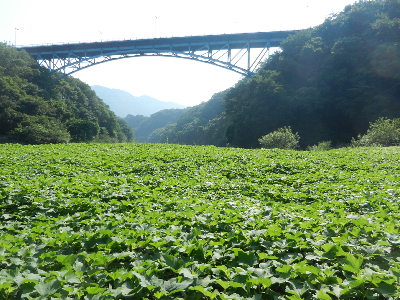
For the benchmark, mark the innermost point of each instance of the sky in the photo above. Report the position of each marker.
(187, 82)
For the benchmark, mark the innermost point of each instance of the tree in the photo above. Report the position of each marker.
(40, 130)
(327, 83)
(282, 138)
(31, 104)
(383, 132)
(82, 130)
(126, 130)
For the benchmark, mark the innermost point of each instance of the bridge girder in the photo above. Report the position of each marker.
(226, 51)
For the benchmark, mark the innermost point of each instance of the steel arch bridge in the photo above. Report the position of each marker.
(229, 51)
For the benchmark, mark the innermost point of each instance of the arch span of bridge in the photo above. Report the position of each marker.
(212, 49)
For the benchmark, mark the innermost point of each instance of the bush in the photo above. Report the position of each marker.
(384, 132)
(40, 130)
(283, 138)
(322, 146)
(82, 130)
(104, 137)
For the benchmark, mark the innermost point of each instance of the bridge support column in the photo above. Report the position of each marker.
(248, 56)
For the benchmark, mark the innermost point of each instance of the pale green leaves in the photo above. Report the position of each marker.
(163, 222)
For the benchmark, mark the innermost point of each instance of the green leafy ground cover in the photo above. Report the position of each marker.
(137, 221)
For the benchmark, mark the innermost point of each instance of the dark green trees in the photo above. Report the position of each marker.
(35, 109)
(203, 124)
(384, 132)
(327, 83)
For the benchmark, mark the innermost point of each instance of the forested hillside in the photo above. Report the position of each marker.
(204, 124)
(35, 109)
(327, 83)
(143, 126)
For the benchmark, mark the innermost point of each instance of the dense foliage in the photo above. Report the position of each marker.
(384, 132)
(143, 127)
(204, 124)
(282, 138)
(143, 221)
(34, 109)
(327, 83)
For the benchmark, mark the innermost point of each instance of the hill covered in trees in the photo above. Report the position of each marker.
(199, 125)
(326, 83)
(144, 126)
(204, 124)
(35, 109)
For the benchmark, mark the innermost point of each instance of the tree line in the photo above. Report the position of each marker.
(36, 109)
(327, 83)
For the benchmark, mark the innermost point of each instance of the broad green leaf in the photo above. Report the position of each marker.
(247, 258)
(47, 288)
(186, 273)
(309, 269)
(385, 289)
(322, 295)
(203, 281)
(262, 255)
(297, 287)
(284, 269)
(126, 288)
(173, 262)
(172, 285)
(236, 284)
(294, 296)
(99, 259)
(93, 290)
(159, 294)
(265, 282)
(353, 264)
(72, 278)
(224, 284)
(66, 260)
(206, 293)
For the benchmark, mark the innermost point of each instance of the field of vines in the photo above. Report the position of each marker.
(161, 221)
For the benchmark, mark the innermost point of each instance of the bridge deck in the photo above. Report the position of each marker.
(179, 44)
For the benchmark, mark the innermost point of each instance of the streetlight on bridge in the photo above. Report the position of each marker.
(16, 37)
(155, 27)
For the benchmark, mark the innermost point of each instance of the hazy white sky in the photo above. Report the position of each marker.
(168, 79)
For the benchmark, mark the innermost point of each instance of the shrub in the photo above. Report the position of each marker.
(82, 130)
(40, 130)
(283, 138)
(383, 132)
(322, 146)
(104, 137)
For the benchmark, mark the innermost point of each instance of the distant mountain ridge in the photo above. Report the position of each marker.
(123, 103)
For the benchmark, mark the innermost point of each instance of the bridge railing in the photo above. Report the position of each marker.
(131, 39)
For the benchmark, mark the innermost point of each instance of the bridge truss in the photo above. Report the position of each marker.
(229, 51)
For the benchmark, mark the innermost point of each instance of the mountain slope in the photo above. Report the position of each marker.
(35, 109)
(327, 83)
(203, 124)
(123, 103)
(143, 126)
